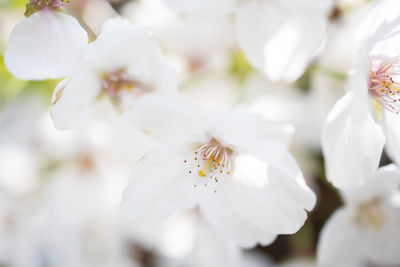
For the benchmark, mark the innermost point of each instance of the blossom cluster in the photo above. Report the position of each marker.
(151, 144)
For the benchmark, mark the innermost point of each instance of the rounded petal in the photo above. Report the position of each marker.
(122, 45)
(264, 209)
(383, 41)
(72, 98)
(352, 143)
(287, 177)
(48, 44)
(232, 224)
(167, 118)
(251, 134)
(342, 243)
(279, 39)
(251, 171)
(157, 189)
(260, 206)
(382, 184)
(212, 250)
(385, 249)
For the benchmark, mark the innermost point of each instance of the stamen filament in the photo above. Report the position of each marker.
(201, 173)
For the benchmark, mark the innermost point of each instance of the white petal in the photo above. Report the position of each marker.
(287, 177)
(251, 134)
(168, 118)
(352, 142)
(341, 243)
(48, 44)
(122, 45)
(213, 6)
(72, 99)
(279, 40)
(384, 40)
(251, 171)
(157, 189)
(381, 184)
(119, 23)
(260, 210)
(213, 250)
(265, 208)
(232, 224)
(385, 250)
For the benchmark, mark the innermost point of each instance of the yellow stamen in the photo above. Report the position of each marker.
(201, 173)
(377, 107)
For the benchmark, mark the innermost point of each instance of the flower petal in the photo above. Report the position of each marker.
(213, 6)
(382, 183)
(251, 134)
(287, 177)
(279, 39)
(213, 250)
(48, 44)
(232, 224)
(260, 210)
(342, 243)
(72, 98)
(166, 118)
(385, 248)
(352, 142)
(157, 189)
(122, 45)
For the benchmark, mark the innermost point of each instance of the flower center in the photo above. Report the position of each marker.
(36, 5)
(382, 85)
(49, 3)
(370, 214)
(115, 82)
(211, 162)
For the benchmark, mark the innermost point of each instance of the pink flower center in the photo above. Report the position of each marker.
(371, 215)
(382, 83)
(210, 161)
(116, 82)
(49, 3)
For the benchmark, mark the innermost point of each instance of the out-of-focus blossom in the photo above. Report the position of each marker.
(18, 231)
(46, 44)
(192, 43)
(231, 167)
(8, 19)
(224, 6)
(81, 218)
(95, 12)
(279, 38)
(283, 103)
(352, 138)
(352, 29)
(123, 64)
(223, 88)
(72, 194)
(20, 165)
(185, 240)
(365, 230)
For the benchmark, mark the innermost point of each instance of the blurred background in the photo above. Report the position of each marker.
(60, 190)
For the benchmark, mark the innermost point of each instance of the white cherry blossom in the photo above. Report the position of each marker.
(233, 168)
(46, 44)
(365, 229)
(123, 64)
(279, 38)
(353, 135)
